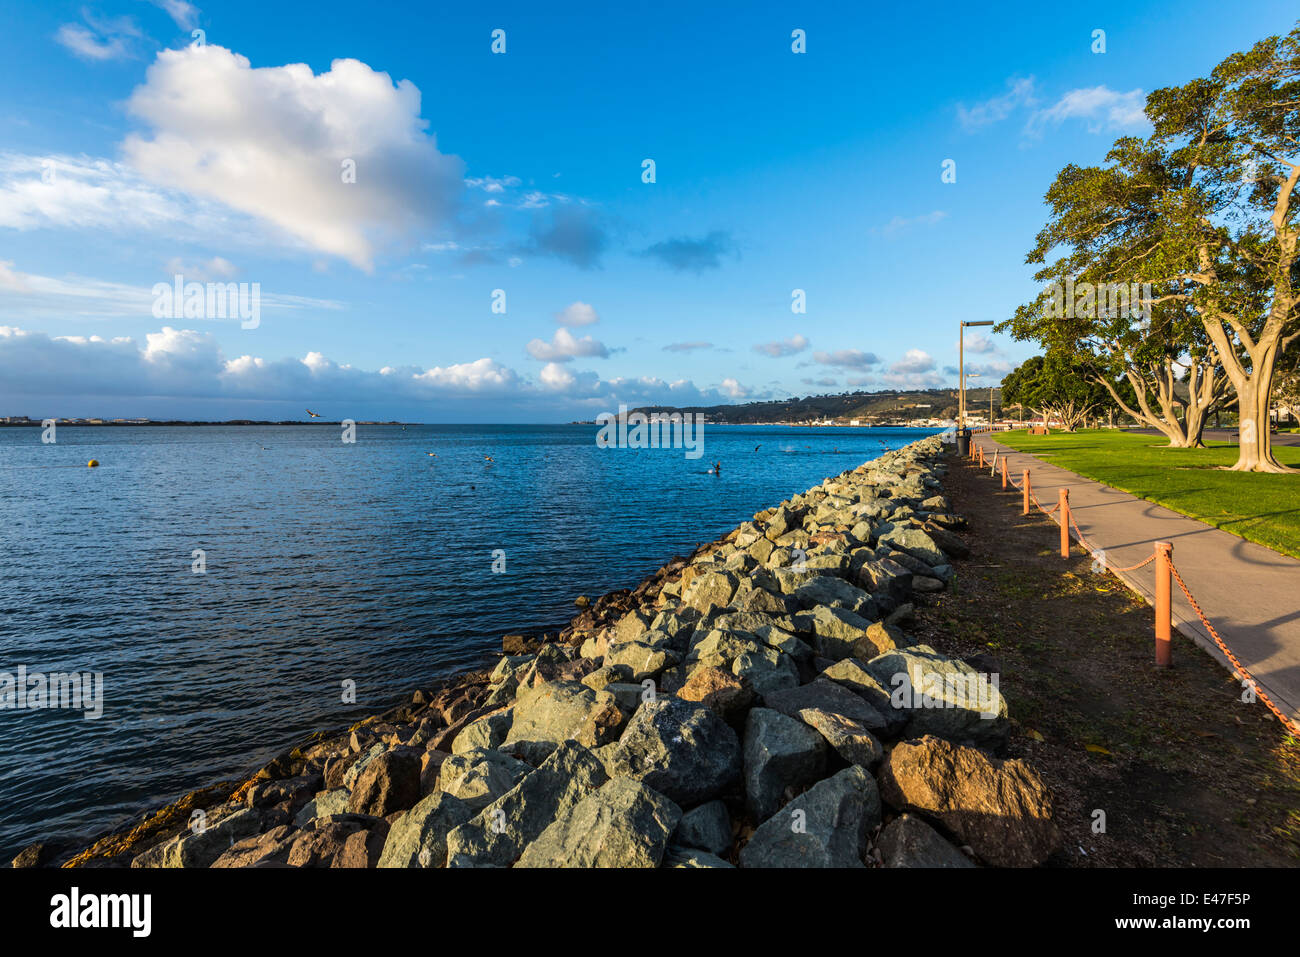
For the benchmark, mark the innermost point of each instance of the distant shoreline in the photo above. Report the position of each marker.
(75, 423)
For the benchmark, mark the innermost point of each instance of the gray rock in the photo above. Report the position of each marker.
(827, 696)
(419, 837)
(907, 841)
(500, 832)
(942, 696)
(622, 824)
(645, 661)
(325, 802)
(707, 827)
(835, 592)
(692, 857)
(480, 776)
(851, 739)
(779, 752)
(681, 749)
(835, 632)
(831, 831)
(488, 731)
(565, 711)
(200, 850)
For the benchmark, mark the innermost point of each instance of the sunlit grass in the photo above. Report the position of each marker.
(1258, 507)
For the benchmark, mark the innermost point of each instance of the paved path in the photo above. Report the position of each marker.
(1251, 594)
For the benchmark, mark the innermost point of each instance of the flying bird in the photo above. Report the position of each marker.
(312, 414)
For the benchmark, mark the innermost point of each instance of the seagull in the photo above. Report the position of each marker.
(312, 414)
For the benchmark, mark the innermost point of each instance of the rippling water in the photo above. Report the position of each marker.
(325, 561)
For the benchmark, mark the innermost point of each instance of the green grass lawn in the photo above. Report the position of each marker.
(1261, 508)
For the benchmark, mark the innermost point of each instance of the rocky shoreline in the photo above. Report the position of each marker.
(758, 704)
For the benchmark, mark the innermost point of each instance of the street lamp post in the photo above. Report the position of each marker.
(961, 371)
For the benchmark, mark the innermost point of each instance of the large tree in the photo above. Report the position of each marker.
(1052, 387)
(1202, 215)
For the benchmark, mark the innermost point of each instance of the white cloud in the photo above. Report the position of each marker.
(783, 347)
(734, 389)
(206, 271)
(272, 142)
(998, 108)
(577, 314)
(900, 223)
(847, 359)
(1101, 107)
(913, 361)
(100, 39)
(565, 346)
(184, 15)
(79, 297)
(172, 365)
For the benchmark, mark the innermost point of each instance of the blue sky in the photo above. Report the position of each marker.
(129, 153)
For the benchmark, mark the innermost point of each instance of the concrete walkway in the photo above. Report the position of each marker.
(1251, 594)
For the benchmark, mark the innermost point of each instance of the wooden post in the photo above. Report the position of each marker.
(1004, 473)
(1026, 486)
(1065, 522)
(1164, 604)
(981, 454)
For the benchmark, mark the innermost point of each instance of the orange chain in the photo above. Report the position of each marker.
(1287, 723)
(1241, 669)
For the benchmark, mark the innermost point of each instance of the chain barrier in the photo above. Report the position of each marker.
(1099, 558)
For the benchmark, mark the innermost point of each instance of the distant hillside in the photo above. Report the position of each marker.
(867, 407)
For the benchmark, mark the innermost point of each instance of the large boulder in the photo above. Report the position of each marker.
(389, 783)
(342, 840)
(268, 849)
(826, 826)
(565, 711)
(779, 752)
(722, 692)
(707, 827)
(501, 831)
(824, 695)
(200, 849)
(914, 542)
(480, 776)
(835, 633)
(837, 593)
(851, 739)
(419, 837)
(907, 841)
(622, 824)
(942, 696)
(1001, 809)
(679, 748)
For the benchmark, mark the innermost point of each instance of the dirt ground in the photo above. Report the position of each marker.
(1186, 774)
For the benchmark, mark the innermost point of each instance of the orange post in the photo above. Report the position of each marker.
(1004, 473)
(1026, 487)
(981, 452)
(1164, 605)
(1065, 523)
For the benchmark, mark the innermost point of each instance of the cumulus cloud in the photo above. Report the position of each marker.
(272, 142)
(783, 347)
(183, 371)
(914, 360)
(564, 346)
(1102, 109)
(734, 389)
(980, 344)
(1020, 93)
(847, 359)
(694, 255)
(577, 314)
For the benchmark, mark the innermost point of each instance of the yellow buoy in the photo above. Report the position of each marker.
(93, 464)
